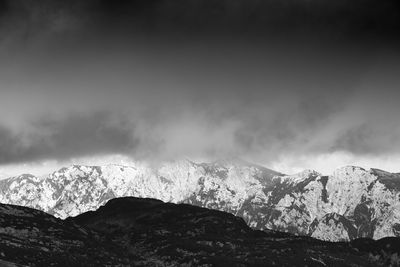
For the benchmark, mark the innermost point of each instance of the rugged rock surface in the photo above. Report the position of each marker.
(148, 232)
(31, 237)
(351, 203)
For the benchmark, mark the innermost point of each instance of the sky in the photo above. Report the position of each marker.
(289, 84)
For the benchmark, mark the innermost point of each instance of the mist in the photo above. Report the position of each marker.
(159, 80)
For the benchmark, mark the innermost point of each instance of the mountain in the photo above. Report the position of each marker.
(147, 232)
(76, 189)
(351, 203)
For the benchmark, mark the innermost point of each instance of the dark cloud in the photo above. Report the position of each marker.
(3, 7)
(351, 17)
(370, 138)
(63, 138)
(212, 78)
(345, 19)
(360, 139)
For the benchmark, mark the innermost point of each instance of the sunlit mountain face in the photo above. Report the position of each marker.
(348, 204)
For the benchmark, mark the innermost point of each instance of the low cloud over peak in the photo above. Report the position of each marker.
(268, 81)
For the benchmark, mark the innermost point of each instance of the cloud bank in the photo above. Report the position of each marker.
(269, 81)
(74, 135)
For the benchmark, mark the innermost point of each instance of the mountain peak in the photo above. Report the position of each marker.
(309, 172)
(25, 176)
(301, 176)
(290, 203)
(231, 161)
(351, 168)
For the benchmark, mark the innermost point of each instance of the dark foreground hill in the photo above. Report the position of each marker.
(147, 232)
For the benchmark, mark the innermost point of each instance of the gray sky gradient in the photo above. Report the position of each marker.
(163, 81)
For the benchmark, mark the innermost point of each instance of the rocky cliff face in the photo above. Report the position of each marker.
(350, 203)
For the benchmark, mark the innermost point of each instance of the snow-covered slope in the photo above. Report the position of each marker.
(76, 189)
(350, 203)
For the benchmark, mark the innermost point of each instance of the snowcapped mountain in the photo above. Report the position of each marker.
(350, 203)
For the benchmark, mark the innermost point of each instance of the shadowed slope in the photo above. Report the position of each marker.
(179, 234)
(31, 237)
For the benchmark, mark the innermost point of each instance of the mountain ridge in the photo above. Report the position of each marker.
(133, 231)
(351, 203)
